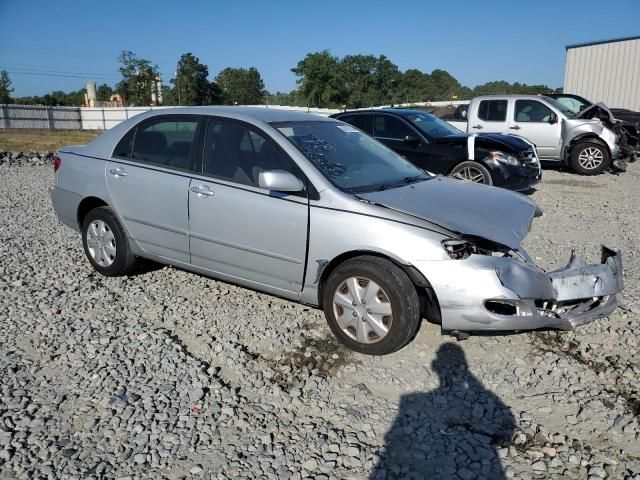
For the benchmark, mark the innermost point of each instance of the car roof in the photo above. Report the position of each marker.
(104, 144)
(519, 96)
(264, 114)
(397, 111)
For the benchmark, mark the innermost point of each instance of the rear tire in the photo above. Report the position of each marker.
(590, 158)
(105, 243)
(371, 305)
(472, 172)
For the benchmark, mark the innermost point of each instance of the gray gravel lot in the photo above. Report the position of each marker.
(167, 374)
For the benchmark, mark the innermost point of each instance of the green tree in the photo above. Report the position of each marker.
(191, 81)
(320, 80)
(356, 76)
(240, 86)
(386, 78)
(5, 87)
(104, 92)
(138, 78)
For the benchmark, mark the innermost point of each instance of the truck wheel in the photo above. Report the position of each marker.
(105, 243)
(590, 158)
(473, 172)
(371, 305)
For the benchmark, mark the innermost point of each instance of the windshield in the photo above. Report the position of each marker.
(574, 104)
(348, 158)
(563, 108)
(432, 125)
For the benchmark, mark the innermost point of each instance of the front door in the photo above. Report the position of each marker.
(539, 124)
(237, 229)
(148, 179)
(393, 131)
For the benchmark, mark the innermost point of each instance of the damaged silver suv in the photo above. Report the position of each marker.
(314, 210)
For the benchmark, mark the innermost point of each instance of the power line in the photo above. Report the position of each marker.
(50, 75)
(67, 72)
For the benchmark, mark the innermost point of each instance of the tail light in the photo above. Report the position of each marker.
(57, 161)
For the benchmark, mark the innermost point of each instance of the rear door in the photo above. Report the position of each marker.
(363, 121)
(490, 116)
(249, 234)
(539, 124)
(148, 179)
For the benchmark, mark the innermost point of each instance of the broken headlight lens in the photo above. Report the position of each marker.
(505, 158)
(458, 249)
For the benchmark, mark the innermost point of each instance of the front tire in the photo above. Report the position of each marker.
(371, 305)
(473, 172)
(590, 158)
(105, 243)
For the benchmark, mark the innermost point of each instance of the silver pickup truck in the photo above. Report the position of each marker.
(585, 144)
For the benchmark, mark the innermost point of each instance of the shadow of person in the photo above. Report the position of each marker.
(451, 432)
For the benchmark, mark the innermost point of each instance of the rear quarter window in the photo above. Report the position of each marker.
(125, 145)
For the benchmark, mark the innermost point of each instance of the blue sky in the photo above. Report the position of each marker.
(476, 42)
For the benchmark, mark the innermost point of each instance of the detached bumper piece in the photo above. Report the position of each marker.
(582, 293)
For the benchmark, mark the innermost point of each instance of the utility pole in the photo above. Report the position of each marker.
(178, 86)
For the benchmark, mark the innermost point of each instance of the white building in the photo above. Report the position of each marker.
(607, 71)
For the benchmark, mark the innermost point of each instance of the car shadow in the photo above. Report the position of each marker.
(453, 431)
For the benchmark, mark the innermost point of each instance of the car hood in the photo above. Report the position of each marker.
(467, 208)
(488, 141)
(597, 109)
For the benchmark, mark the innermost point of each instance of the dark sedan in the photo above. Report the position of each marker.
(432, 144)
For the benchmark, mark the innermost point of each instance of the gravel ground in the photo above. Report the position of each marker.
(166, 374)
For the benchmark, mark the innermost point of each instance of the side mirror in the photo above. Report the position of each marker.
(553, 119)
(280, 181)
(412, 140)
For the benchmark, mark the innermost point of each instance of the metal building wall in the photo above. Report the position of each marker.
(606, 72)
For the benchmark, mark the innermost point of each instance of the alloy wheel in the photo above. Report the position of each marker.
(470, 174)
(590, 158)
(362, 309)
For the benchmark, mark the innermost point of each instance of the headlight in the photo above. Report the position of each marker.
(461, 248)
(458, 249)
(505, 158)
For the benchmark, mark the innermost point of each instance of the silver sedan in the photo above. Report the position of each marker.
(313, 210)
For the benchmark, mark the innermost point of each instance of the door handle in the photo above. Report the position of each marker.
(202, 190)
(516, 127)
(477, 126)
(118, 172)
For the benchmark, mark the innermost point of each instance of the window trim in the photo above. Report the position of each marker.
(308, 186)
(506, 111)
(515, 110)
(164, 118)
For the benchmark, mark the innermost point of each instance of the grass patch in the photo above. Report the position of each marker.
(41, 140)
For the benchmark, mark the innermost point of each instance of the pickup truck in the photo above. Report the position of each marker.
(587, 145)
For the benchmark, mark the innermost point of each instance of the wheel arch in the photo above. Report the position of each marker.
(583, 138)
(429, 306)
(86, 205)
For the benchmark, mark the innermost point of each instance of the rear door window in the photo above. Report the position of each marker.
(493, 110)
(388, 126)
(362, 121)
(166, 142)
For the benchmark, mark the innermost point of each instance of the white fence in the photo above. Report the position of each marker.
(103, 118)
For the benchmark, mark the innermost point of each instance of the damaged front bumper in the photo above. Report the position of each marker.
(502, 294)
